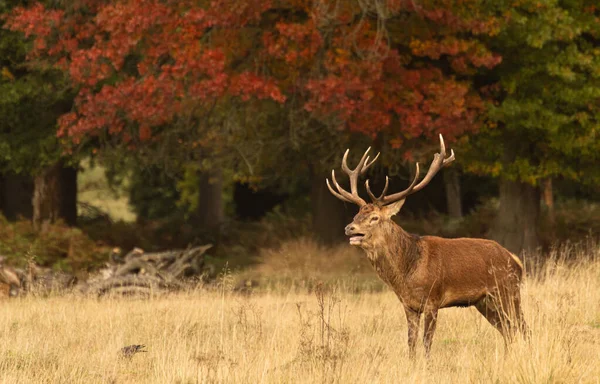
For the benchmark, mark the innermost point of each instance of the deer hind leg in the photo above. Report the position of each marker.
(430, 324)
(510, 302)
(503, 311)
(518, 318)
(412, 320)
(491, 308)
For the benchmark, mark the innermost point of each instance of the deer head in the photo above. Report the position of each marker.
(375, 218)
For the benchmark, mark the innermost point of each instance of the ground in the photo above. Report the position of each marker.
(336, 334)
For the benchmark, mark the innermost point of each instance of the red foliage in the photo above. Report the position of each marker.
(173, 65)
(185, 54)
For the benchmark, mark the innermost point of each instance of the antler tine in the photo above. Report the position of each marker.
(344, 195)
(439, 161)
(369, 163)
(383, 200)
(345, 160)
(354, 173)
(351, 197)
(376, 199)
(336, 194)
(360, 165)
(450, 158)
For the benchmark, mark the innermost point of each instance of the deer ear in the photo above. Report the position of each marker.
(392, 209)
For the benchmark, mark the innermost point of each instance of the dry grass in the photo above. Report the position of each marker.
(329, 335)
(302, 263)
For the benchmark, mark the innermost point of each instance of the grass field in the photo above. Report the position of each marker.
(293, 336)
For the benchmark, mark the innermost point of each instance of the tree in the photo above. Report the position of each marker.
(146, 79)
(395, 74)
(31, 100)
(17, 192)
(544, 115)
(137, 72)
(453, 195)
(203, 78)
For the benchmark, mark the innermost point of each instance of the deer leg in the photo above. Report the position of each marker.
(518, 314)
(496, 315)
(491, 314)
(430, 323)
(412, 320)
(511, 307)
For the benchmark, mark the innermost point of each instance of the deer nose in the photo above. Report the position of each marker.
(350, 228)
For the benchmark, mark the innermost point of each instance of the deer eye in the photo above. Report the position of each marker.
(374, 219)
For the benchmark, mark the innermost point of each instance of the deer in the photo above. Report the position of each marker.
(428, 273)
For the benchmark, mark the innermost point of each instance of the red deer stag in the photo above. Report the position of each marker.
(428, 272)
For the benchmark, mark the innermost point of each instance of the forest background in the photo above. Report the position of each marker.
(162, 124)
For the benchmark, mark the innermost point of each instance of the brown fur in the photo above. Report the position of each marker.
(429, 273)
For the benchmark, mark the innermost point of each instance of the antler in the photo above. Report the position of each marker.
(353, 174)
(439, 162)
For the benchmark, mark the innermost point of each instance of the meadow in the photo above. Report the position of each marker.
(304, 324)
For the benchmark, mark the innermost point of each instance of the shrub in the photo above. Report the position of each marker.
(59, 246)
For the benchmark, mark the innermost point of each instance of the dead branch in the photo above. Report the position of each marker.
(136, 273)
(142, 273)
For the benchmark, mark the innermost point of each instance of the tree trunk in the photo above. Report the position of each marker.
(54, 196)
(46, 197)
(16, 196)
(453, 197)
(516, 225)
(328, 213)
(210, 214)
(548, 196)
(68, 203)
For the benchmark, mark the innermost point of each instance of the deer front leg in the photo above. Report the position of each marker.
(430, 323)
(412, 320)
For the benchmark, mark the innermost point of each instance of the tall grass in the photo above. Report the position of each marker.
(302, 263)
(329, 334)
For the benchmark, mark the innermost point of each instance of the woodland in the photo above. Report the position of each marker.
(220, 120)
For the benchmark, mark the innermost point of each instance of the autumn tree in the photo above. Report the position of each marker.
(544, 114)
(203, 79)
(38, 182)
(146, 78)
(396, 74)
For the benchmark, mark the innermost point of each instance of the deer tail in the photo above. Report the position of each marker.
(518, 261)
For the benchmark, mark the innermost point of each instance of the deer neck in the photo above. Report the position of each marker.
(394, 254)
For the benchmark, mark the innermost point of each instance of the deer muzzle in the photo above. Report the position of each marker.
(355, 235)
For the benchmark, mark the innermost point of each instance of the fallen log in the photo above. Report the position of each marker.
(136, 273)
(151, 283)
(144, 273)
